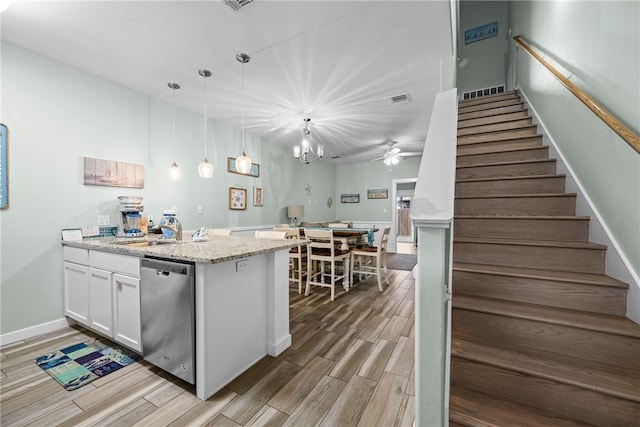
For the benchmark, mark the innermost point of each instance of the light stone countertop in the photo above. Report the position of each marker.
(215, 250)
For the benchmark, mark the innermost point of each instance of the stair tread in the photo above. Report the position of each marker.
(589, 375)
(499, 131)
(512, 162)
(492, 150)
(534, 273)
(548, 243)
(590, 321)
(541, 217)
(506, 138)
(492, 196)
(500, 123)
(511, 178)
(478, 409)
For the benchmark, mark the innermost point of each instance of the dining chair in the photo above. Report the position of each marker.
(270, 234)
(219, 232)
(372, 260)
(322, 249)
(297, 258)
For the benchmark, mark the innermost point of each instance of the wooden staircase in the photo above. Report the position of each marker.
(539, 333)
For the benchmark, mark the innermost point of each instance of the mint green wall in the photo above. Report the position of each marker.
(358, 178)
(482, 64)
(598, 42)
(57, 114)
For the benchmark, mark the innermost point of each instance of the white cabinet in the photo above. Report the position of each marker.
(126, 311)
(76, 292)
(100, 301)
(102, 292)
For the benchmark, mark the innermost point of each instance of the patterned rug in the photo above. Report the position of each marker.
(79, 364)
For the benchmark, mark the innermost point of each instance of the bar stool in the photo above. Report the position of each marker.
(322, 248)
(375, 258)
(297, 257)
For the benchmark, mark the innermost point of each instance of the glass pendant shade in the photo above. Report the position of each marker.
(296, 151)
(243, 164)
(205, 169)
(175, 173)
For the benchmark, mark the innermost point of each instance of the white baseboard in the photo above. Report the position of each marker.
(34, 331)
(617, 264)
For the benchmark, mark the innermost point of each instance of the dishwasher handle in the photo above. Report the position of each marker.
(166, 267)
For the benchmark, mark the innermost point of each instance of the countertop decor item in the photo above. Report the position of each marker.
(243, 163)
(175, 173)
(237, 198)
(205, 169)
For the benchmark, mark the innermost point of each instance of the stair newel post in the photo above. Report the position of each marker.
(432, 215)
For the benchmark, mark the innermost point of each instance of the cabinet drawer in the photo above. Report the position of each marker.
(119, 263)
(76, 255)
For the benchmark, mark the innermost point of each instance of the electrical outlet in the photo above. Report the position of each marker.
(104, 220)
(242, 265)
(200, 209)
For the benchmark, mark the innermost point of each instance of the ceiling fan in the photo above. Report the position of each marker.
(393, 154)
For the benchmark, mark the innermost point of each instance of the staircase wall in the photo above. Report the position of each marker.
(617, 264)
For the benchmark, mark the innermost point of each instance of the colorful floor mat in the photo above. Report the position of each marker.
(79, 364)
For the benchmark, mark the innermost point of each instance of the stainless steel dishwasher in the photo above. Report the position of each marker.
(167, 299)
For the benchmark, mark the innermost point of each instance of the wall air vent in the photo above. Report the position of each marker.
(400, 99)
(483, 92)
(236, 5)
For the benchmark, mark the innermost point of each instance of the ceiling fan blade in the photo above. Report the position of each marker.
(378, 158)
(410, 154)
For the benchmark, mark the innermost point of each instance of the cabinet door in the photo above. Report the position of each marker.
(76, 292)
(100, 301)
(126, 305)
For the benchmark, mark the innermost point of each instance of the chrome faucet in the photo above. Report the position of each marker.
(176, 229)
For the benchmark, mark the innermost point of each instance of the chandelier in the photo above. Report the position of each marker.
(304, 151)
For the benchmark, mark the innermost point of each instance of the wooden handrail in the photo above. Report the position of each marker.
(625, 133)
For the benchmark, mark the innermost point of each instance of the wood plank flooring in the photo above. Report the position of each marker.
(351, 363)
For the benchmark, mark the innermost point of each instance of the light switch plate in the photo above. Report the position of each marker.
(94, 230)
(104, 220)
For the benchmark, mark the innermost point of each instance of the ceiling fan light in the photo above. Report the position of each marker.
(387, 161)
(205, 169)
(243, 164)
(395, 160)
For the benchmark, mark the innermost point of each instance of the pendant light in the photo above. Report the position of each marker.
(175, 173)
(243, 163)
(205, 169)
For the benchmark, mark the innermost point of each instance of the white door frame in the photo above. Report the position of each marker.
(392, 243)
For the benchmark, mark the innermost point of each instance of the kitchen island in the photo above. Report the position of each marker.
(241, 298)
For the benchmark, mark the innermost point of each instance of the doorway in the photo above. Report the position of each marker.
(402, 231)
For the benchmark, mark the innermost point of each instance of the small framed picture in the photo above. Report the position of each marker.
(349, 198)
(237, 198)
(231, 167)
(378, 194)
(257, 196)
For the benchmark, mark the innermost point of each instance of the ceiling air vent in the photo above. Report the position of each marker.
(236, 5)
(400, 99)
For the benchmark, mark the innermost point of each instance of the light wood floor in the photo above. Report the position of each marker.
(351, 363)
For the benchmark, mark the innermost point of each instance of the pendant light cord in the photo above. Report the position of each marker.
(205, 116)
(243, 103)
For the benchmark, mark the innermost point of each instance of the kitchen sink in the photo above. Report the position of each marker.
(147, 243)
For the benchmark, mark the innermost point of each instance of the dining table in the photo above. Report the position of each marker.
(347, 235)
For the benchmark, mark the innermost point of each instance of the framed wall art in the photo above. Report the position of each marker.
(112, 173)
(257, 196)
(349, 198)
(237, 198)
(231, 167)
(378, 194)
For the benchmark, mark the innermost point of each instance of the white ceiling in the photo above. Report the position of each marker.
(337, 62)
